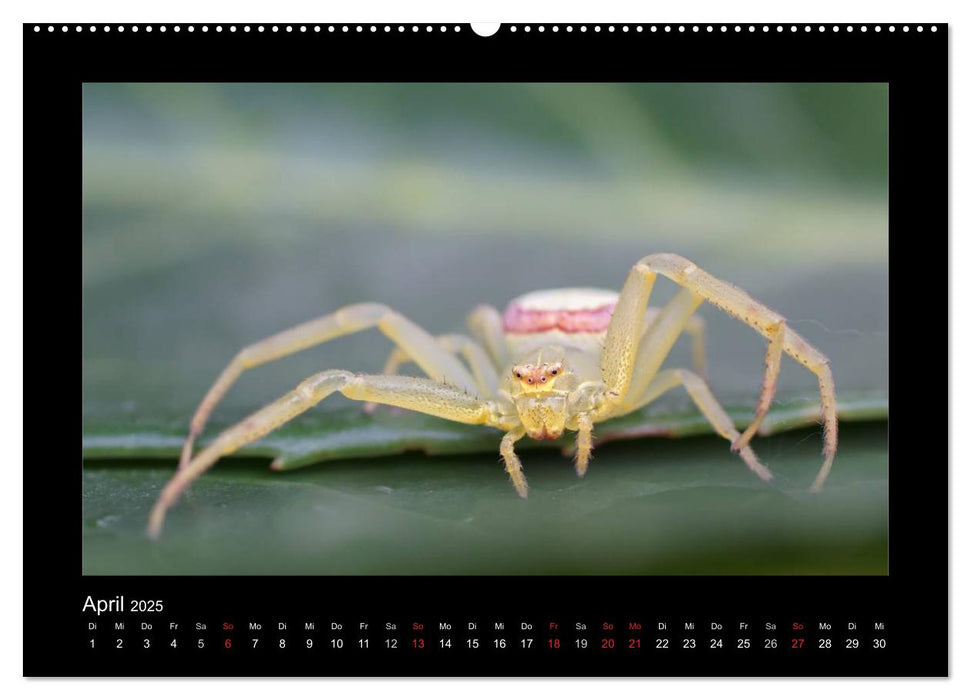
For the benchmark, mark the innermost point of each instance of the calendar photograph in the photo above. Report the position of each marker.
(485, 329)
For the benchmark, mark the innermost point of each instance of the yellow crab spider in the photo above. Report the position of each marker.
(556, 360)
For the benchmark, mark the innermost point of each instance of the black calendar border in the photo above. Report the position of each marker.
(913, 599)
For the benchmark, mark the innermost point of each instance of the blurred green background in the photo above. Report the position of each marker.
(215, 215)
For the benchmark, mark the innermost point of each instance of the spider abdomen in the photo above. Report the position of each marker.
(568, 317)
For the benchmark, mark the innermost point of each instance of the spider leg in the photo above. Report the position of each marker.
(708, 405)
(423, 395)
(735, 302)
(486, 326)
(484, 373)
(773, 362)
(655, 345)
(694, 327)
(420, 346)
(663, 327)
(482, 368)
(514, 467)
(584, 442)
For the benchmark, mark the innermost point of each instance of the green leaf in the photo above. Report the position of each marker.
(336, 434)
(645, 507)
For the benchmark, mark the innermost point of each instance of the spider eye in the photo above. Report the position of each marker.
(543, 380)
(530, 380)
(553, 372)
(519, 375)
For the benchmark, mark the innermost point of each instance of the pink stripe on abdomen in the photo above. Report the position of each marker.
(520, 320)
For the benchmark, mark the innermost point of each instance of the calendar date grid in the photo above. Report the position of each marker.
(563, 636)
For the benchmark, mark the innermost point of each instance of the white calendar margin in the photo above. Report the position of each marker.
(439, 11)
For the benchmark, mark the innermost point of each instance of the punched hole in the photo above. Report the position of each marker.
(485, 28)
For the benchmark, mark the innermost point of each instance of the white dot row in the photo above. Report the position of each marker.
(512, 28)
(247, 28)
(737, 28)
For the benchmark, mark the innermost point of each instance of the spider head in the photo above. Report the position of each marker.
(539, 378)
(542, 416)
